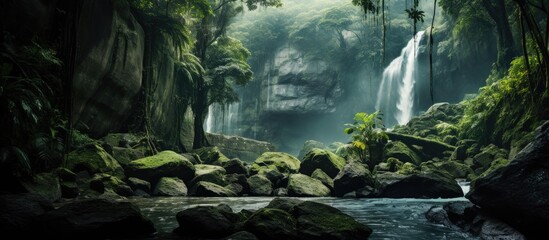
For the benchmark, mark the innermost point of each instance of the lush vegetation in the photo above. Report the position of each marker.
(368, 137)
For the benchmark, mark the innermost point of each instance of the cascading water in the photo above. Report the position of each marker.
(395, 97)
(223, 119)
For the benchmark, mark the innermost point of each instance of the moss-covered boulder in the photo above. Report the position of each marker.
(235, 165)
(273, 175)
(212, 177)
(402, 152)
(211, 155)
(167, 186)
(45, 185)
(136, 183)
(408, 169)
(102, 183)
(201, 169)
(242, 235)
(260, 185)
(284, 204)
(390, 165)
(283, 162)
(320, 221)
(163, 164)
(353, 176)
(94, 159)
(208, 189)
(207, 221)
(272, 224)
(324, 178)
(322, 159)
(308, 146)
(125, 155)
(456, 169)
(496, 164)
(124, 140)
(300, 185)
(420, 185)
(487, 154)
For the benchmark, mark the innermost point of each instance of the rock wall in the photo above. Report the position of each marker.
(246, 149)
(109, 66)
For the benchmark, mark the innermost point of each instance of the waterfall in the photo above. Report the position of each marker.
(209, 119)
(395, 98)
(268, 90)
(223, 119)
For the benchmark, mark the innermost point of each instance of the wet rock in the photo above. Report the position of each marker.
(18, 212)
(283, 162)
(260, 185)
(207, 221)
(235, 166)
(308, 146)
(353, 176)
(208, 189)
(300, 185)
(167, 186)
(272, 224)
(284, 204)
(163, 164)
(320, 221)
(94, 159)
(422, 185)
(96, 218)
(192, 157)
(136, 183)
(102, 182)
(66, 174)
(516, 193)
(325, 160)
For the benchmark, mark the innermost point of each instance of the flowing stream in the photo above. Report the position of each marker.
(395, 97)
(389, 218)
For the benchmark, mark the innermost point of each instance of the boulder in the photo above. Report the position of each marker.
(260, 185)
(308, 146)
(163, 164)
(239, 179)
(66, 174)
(167, 186)
(324, 178)
(273, 175)
(136, 183)
(207, 221)
(400, 151)
(95, 218)
(498, 163)
(325, 160)
(213, 177)
(456, 169)
(352, 177)
(422, 185)
(235, 166)
(94, 159)
(18, 212)
(125, 155)
(430, 147)
(487, 155)
(390, 165)
(45, 185)
(517, 193)
(320, 221)
(211, 155)
(284, 204)
(242, 235)
(208, 189)
(122, 140)
(283, 162)
(272, 224)
(69, 189)
(102, 182)
(238, 147)
(202, 169)
(300, 185)
(236, 188)
(280, 192)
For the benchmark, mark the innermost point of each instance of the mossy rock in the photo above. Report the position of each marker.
(402, 152)
(212, 177)
(308, 146)
(94, 159)
(235, 165)
(102, 183)
(408, 169)
(208, 189)
(456, 169)
(300, 185)
(211, 155)
(283, 162)
(163, 164)
(418, 185)
(353, 177)
(322, 159)
(272, 224)
(136, 183)
(390, 165)
(44, 184)
(324, 178)
(260, 185)
(496, 164)
(167, 186)
(320, 221)
(284, 204)
(488, 154)
(125, 155)
(201, 169)
(207, 221)
(124, 140)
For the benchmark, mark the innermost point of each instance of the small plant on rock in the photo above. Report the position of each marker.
(368, 137)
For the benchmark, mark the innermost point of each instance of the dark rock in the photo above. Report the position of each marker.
(211, 155)
(235, 166)
(141, 193)
(325, 160)
(18, 211)
(517, 193)
(213, 177)
(239, 179)
(272, 224)
(308, 146)
(366, 192)
(283, 162)
(280, 192)
(45, 185)
(422, 185)
(320, 221)
(125, 155)
(438, 215)
(353, 176)
(208, 189)
(236, 188)
(66, 174)
(122, 140)
(284, 204)
(101, 182)
(487, 155)
(260, 185)
(242, 235)
(324, 178)
(456, 169)
(300, 185)
(431, 147)
(96, 218)
(136, 183)
(207, 221)
(170, 187)
(400, 151)
(192, 157)
(273, 175)
(69, 189)
(494, 229)
(163, 164)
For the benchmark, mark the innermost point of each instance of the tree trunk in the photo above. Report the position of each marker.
(200, 108)
(505, 45)
(376, 154)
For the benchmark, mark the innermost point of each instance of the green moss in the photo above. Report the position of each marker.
(496, 164)
(160, 159)
(402, 152)
(94, 159)
(211, 155)
(202, 169)
(408, 169)
(300, 185)
(453, 168)
(323, 159)
(445, 128)
(283, 162)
